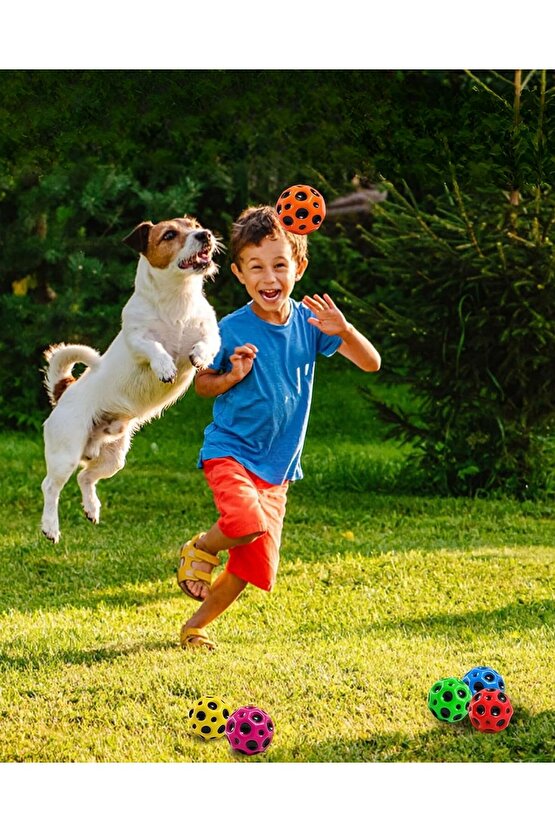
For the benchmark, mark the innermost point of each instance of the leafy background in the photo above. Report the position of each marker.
(452, 275)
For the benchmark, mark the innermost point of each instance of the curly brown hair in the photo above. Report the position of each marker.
(258, 222)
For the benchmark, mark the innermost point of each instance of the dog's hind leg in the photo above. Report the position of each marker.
(109, 462)
(58, 473)
(62, 453)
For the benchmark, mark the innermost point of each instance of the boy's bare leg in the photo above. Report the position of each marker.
(213, 541)
(225, 589)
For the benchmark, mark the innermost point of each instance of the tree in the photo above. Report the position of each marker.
(464, 296)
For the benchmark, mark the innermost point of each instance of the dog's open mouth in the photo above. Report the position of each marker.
(200, 260)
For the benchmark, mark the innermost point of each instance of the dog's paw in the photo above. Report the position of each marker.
(51, 534)
(94, 517)
(201, 356)
(165, 369)
(91, 503)
(91, 507)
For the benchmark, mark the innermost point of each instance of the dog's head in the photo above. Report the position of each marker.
(181, 245)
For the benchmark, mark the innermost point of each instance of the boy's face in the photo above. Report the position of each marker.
(269, 272)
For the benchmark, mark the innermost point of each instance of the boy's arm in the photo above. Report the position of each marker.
(209, 383)
(359, 350)
(356, 347)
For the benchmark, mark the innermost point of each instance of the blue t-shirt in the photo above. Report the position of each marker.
(261, 421)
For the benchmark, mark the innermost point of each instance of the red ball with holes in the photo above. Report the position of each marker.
(301, 209)
(490, 710)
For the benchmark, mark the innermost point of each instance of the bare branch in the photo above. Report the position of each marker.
(486, 88)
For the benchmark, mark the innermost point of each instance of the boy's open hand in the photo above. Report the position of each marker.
(329, 319)
(241, 361)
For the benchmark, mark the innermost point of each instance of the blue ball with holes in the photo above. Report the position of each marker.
(483, 677)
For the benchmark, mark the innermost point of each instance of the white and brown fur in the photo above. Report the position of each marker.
(168, 330)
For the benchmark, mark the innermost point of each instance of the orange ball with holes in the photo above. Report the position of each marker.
(301, 209)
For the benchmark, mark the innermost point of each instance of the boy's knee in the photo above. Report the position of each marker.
(248, 538)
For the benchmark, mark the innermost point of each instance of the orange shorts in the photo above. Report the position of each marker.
(248, 504)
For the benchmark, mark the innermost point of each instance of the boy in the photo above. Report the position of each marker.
(262, 383)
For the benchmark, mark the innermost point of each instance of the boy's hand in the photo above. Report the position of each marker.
(241, 361)
(329, 319)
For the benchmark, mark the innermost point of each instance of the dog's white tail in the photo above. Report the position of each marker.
(61, 360)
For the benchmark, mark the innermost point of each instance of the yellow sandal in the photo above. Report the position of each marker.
(185, 570)
(190, 633)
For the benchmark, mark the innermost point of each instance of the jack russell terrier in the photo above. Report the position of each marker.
(168, 330)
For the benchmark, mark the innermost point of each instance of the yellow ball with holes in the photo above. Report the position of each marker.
(208, 717)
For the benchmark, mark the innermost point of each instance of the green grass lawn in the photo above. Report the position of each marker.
(379, 594)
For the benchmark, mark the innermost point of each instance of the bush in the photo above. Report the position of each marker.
(464, 302)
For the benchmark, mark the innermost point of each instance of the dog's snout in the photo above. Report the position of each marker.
(203, 236)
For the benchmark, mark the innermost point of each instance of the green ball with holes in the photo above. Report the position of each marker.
(449, 699)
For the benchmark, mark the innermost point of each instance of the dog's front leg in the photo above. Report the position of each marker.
(147, 349)
(206, 348)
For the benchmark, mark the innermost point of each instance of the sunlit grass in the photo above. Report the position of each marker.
(379, 594)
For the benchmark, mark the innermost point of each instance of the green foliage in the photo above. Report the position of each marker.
(464, 299)
(86, 155)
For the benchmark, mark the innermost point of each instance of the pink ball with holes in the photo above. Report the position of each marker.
(249, 730)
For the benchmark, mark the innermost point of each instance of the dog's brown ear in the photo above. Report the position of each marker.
(138, 239)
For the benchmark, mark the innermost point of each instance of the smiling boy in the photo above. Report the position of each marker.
(262, 382)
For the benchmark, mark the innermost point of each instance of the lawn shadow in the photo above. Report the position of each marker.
(395, 525)
(518, 616)
(87, 657)
(529, 738)
(56, 579)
